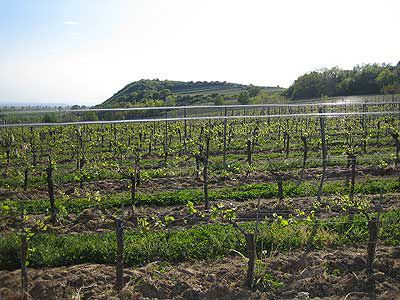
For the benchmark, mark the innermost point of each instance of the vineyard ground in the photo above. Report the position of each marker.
(95, 220)
(175, 248)
(176, 183)
(326, 274)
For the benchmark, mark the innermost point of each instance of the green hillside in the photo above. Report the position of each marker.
(166, 92)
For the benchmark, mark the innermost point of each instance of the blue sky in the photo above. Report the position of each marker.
(82, 51)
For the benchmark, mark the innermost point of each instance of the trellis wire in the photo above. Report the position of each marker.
(300, 115)
(214, 107)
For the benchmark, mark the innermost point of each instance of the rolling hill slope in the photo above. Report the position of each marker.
(158, 93)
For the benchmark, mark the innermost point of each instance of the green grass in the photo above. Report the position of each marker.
(199, 242)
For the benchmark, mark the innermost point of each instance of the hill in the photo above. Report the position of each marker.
(156, 92)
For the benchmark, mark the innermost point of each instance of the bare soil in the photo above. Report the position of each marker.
(329, 275)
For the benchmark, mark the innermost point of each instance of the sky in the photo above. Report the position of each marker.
(83, 51)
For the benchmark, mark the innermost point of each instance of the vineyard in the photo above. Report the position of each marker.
(284, 201)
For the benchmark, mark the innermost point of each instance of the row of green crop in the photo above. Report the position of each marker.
(199, 242)
(152, 167)
(241, 193)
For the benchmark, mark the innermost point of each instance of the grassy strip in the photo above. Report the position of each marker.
(199, 242)
(241, 193)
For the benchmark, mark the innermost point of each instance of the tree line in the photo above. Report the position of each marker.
(361, 80)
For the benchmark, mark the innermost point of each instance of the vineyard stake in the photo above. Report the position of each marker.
(119, 259)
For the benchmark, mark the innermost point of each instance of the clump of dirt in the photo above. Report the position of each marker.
(324, 275)
(30, 194)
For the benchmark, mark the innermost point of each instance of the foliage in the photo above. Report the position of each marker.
(244, 98)
(361, 80)
(219, 100)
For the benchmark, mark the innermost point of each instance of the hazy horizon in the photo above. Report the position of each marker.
(77, 52)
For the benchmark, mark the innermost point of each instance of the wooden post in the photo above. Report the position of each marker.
(119, 259)
(249, 158)
(184, 130)
(224, 150)
(24, 257)
(373, 237)
(364, 127)
(378, 129)
(280, 187)
(287, 144)
(24, 269)
(305, 153)
(133, 188)
(166, 139)
(33, 147)
(115, 133)
(397, 146)
(353, 161)
(373, 226)
(252, 256)
(395, 136)
(324, 153)
(26, 178)
(50, 189)
(205, 172)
